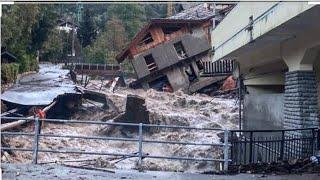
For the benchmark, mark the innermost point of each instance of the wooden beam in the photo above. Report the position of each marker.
(12, 111)
(14, 124)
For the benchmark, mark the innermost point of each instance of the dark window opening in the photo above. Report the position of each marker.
(161, 84)
(190, 73)
(146, 40)
(180, 50)
(151, 64)
(200, 65)
(170, 30)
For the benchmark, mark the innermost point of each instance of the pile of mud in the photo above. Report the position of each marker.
(165, 108)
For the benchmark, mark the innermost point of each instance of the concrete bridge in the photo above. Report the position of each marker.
(277, 46)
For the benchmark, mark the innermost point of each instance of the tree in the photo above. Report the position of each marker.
(56, 47)
(132, 16)
(115, 34)
(47, 19)
(87, 32)
(18, 22)
(108, 43)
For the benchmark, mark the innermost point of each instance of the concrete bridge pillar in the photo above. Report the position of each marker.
(300, 103)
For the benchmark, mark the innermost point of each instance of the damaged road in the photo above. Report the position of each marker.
(40, 88)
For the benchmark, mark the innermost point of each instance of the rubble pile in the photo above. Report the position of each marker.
(177, 108)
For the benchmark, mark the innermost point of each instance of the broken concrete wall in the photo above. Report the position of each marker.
(136, 111)
(178, 78)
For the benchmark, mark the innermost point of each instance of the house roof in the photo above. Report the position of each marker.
(197, 12)
(8, 55)
(195, 15)
(62, 22)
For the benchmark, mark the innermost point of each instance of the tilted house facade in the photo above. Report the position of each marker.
(169, 51)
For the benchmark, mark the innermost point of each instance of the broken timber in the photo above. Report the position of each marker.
(12, 111)
(14, 124)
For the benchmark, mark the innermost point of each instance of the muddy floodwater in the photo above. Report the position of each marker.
(177, 108)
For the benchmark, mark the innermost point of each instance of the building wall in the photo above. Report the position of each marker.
(231, 33)
(263, 111)
(159, 37)
(165, 55)
(317, 70)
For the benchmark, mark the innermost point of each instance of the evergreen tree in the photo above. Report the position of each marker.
(46, 22)
(87, 32)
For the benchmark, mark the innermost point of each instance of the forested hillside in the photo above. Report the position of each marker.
(104, 29)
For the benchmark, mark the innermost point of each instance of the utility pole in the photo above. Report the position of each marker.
(79, 19)
(73, 30)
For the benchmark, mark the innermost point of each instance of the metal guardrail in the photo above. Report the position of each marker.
(140, 140)
(267, 146)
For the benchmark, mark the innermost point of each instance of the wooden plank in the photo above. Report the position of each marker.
(14, 124)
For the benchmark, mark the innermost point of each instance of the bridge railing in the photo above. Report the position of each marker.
(139, 139)
(217, 68)
(97, 67)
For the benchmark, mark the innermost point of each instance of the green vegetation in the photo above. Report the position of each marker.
(9, 72)
(115, 25)
(104, 30)
(24, 29)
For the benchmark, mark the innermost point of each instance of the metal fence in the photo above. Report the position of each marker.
(248, 147)
(221, 67)
(141, 128)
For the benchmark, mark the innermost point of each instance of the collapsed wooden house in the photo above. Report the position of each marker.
(170, 51)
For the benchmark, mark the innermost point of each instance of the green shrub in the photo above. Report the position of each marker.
(28, 62)
(9, 72)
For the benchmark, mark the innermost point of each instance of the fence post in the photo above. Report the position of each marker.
(312, 142)
(318, 139)
(36, 141)
(251, 143)
(282, 146)
(140, 147)
(226, 150)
